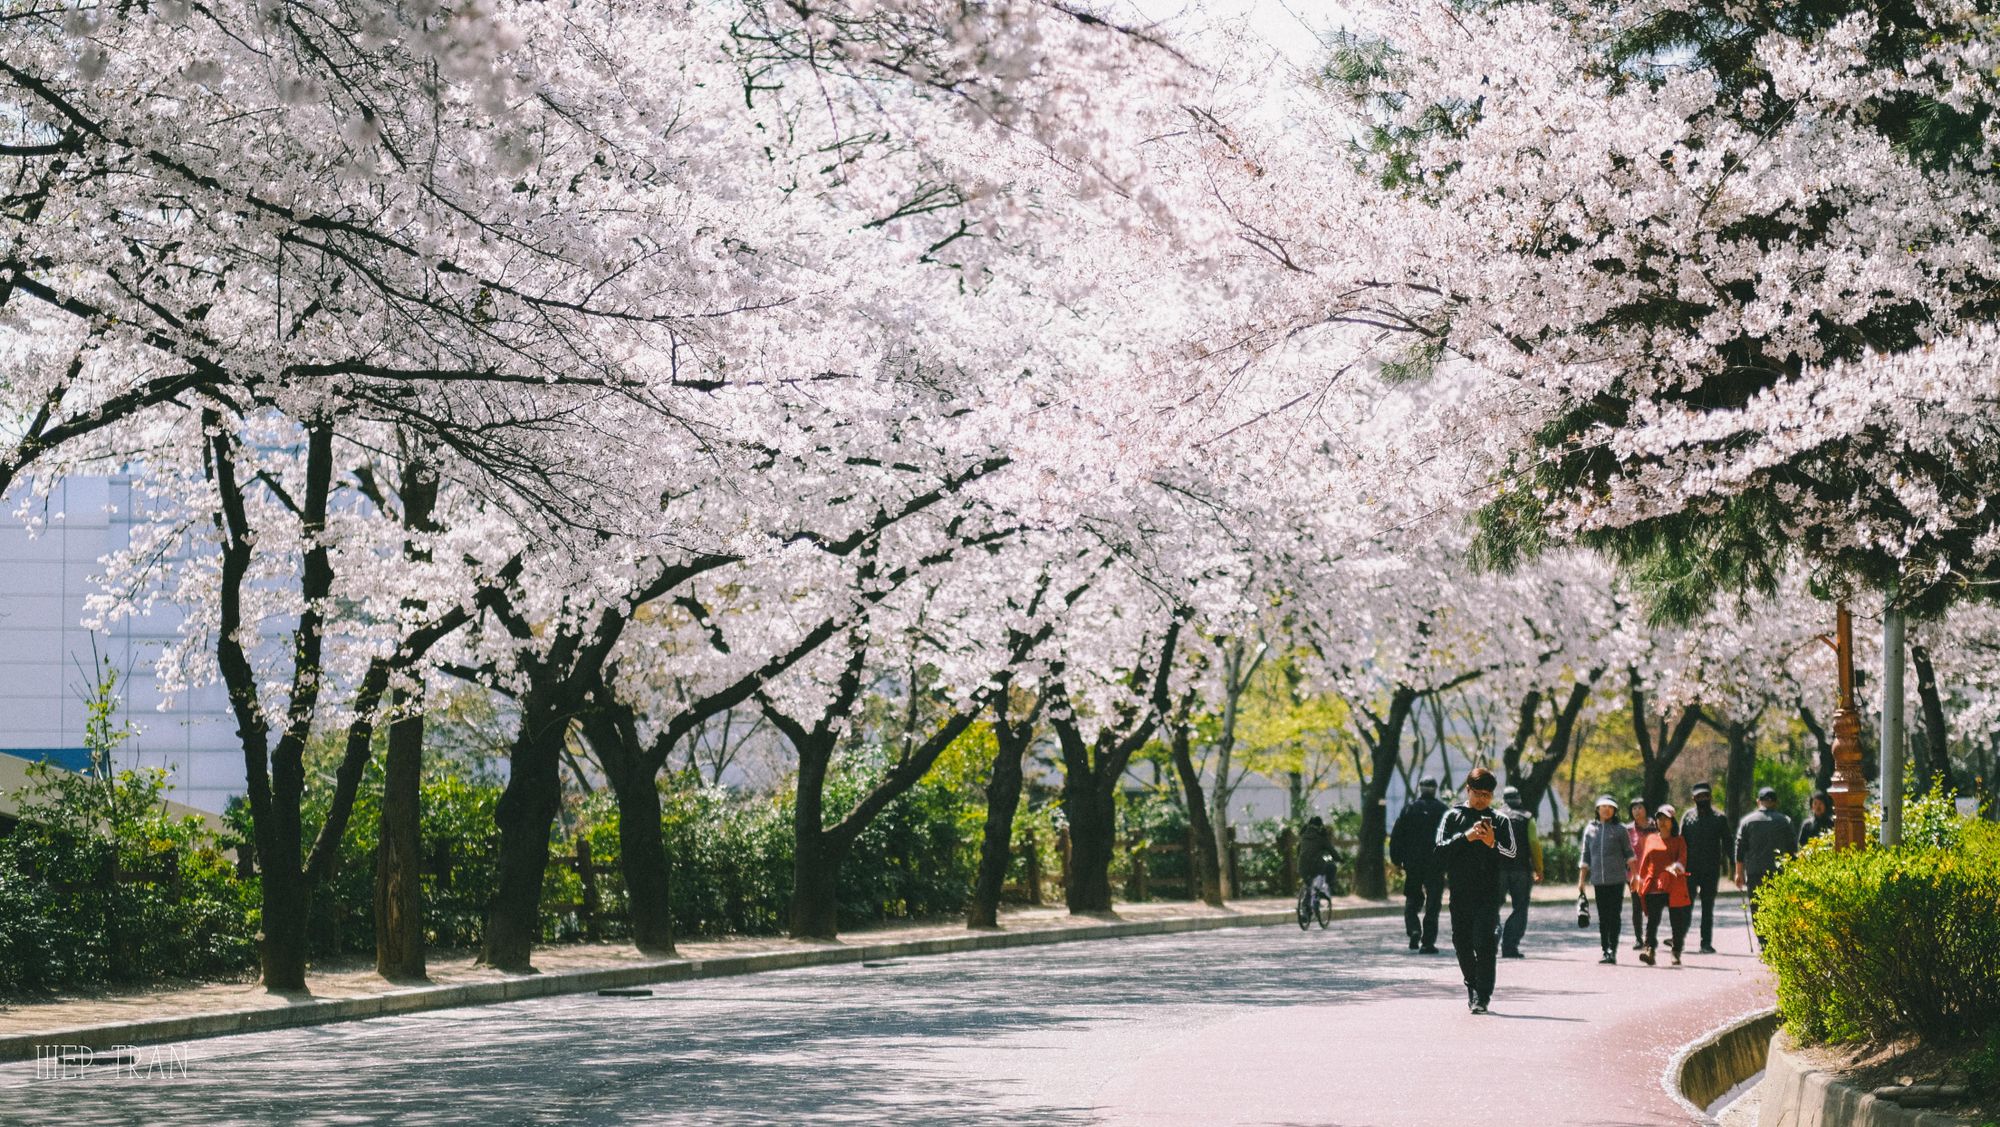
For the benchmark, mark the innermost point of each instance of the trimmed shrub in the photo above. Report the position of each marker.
(98, 883)
(1879, 943)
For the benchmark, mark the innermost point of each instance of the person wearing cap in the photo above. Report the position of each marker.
(1763, 834)
(1821, 820)
(1639, 829)
(1473, 844)
(1663, 882)
(1604, 855)
(1412, 842)
(1519, 874)
(1710, 847)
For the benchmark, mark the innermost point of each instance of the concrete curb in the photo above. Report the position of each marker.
(1797, 1094)
(1704, 1070)
(23, 1046)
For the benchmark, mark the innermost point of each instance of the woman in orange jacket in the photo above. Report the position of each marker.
(1663, 878)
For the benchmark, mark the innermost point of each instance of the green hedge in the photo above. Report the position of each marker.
(99, 884)
(1879, 943)
(64, 921)
(731, 855)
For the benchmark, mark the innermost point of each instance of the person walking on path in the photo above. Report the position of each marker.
(1821, 820)
(1412, 843)
(1710, 846)
(1663, 874)
(1519, 874)
(1473, 843)
(1640, 829)
(1763, 834)
(1604, 856)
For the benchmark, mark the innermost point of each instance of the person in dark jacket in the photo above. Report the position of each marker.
(1316, 853)
(1519, 874)
(1710, 848)
(1411, 844)
(1604, 857)
(1763, 834)
(1821, 820)
(1473, 843)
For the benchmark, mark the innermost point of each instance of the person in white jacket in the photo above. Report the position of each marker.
(1605, 861)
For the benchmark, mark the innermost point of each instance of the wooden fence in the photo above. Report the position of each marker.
(1165, 870)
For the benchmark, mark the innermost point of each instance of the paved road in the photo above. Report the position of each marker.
(1258, 1026)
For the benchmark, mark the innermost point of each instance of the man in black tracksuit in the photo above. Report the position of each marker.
(1411, 845)
(1710, 841)
(1472, 845)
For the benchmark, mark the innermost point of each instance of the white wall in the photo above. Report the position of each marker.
(46, 654)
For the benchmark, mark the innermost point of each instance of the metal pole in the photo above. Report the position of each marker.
(1849, 791)
(1892, 719)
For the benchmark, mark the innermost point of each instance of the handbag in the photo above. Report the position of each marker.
(1582, 910)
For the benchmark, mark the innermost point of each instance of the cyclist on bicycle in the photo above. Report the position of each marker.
(1317, 859)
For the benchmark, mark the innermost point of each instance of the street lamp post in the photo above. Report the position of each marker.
(1849, 790)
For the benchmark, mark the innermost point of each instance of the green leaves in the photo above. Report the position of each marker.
(1875, 944)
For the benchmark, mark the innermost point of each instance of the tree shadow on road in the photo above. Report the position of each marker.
(846, 1044)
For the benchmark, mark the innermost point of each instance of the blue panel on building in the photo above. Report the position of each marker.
(68, 758)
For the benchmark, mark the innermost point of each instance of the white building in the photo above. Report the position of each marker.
(47, 657)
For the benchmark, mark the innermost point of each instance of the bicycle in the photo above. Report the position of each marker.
(1315, 903)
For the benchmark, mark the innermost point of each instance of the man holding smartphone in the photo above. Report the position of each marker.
(1472, 845)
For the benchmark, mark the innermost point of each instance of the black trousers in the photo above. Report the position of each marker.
(1475, 938)
(1751, 882)
(1638, 917)
(1703, 887)
(1678, 918)
(1518, 884)
(1610, 915)
(1423, 895)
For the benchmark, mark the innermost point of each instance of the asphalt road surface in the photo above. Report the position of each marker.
(1254, 1026)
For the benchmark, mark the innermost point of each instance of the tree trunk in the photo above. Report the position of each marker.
(815, 864)
(1205, 867)
(1219, 831)
(1741, 777)
(815, 888)
(1989, 790)
(643, 861)
(1003, 798)
(287, 903)
(1822, 749)
(1657, 754)
(1525, 724)
(526, 810)
(399, 905)
(1093, 832)
(1653, 785)
(1371, 882)
(1933, 760)
(1541, 775)
(1385, 747)
(399, 899)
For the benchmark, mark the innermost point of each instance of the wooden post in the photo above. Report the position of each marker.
(1062, 850)
(1849, 791)
(1032, 849)
(1193, 866)
(1233, 866)
(1288, 847)
(1135, 884)
(587, 873)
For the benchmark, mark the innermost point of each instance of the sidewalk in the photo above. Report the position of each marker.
(351, 992)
